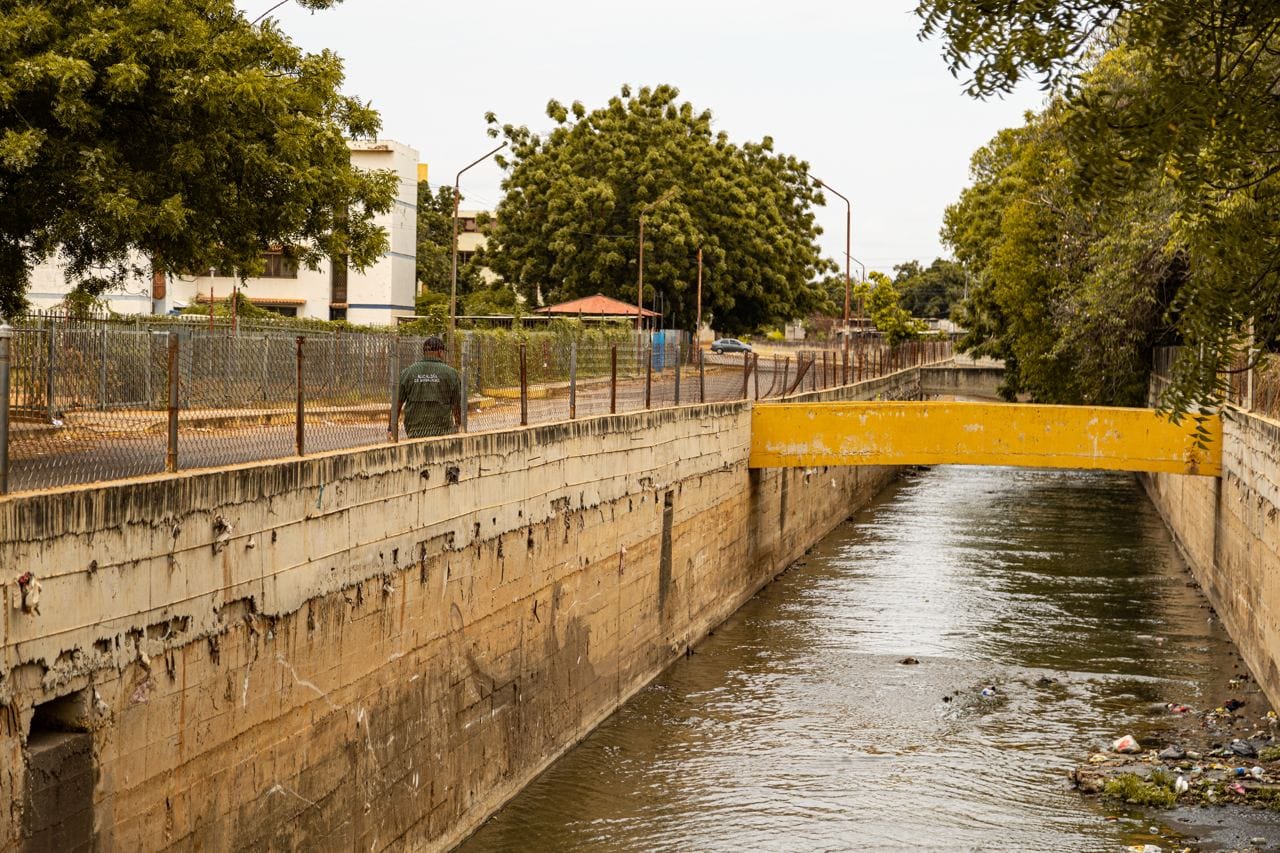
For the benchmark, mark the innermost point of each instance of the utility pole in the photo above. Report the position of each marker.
(697, 321)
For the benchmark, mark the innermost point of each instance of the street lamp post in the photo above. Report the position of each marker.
(640, 278)
(848, 242)
(453, 277)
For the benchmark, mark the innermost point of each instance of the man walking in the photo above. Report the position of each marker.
(430, 393)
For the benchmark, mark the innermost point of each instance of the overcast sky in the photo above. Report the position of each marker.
(846, 86)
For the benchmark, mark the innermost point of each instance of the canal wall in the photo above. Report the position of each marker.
(1228, 529)
(373, 648)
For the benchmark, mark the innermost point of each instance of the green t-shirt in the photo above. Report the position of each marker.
(429, 389)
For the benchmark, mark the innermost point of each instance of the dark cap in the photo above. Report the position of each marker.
(433, 343)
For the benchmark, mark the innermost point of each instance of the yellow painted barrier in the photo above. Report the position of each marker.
(790, 435)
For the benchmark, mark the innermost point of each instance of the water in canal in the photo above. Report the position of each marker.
(797, 727)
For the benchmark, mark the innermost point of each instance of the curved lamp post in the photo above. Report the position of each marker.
(848, 237)
(453, 277)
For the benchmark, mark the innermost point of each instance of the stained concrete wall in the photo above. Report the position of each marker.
(377, 648)
(1229, 531)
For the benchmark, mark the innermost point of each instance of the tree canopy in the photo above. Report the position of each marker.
(930, 291)
(569, 223)
(1165, 117)
(178, 131)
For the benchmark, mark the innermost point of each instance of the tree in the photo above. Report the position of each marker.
(1073, 290)
(882, 302)
(177, 131)
(568, 225)
(1170, 96)
(435, 244)
(931, 291)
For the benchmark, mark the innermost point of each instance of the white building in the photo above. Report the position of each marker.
(471, 238)
(376, 296)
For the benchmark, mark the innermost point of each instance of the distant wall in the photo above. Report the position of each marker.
(372, 648)
(1229, 531)
(962, 381)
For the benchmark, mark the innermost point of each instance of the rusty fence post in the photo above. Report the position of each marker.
(702, 375)
(464, 393)
(746, 375)
(755, 368)
(300, 413)
(171, 453)
(6, 339)
(648, 377)
(573, 381)
(393, 371)
(679, 369)
(49, 386)
(524, 388)
(613, 379)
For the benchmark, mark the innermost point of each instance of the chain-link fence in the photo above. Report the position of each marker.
(102, 401)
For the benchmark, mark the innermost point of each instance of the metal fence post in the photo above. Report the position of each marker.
(102, 370)
(393, 368)
(573, 380)
(746, 373)
(171, 455)
(702, 375)
(755, 364)
(679, 369)
(463, 393)
(648, 377)
(48, 384)
(613, 380)
(6, 337)
(300, 412)
(524, 388)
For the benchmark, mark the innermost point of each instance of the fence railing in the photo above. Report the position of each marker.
(92, 402)
(1251, 382)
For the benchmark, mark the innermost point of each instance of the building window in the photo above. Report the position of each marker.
(337, 314)
(279, 266)
(469, 224)
(464, 258)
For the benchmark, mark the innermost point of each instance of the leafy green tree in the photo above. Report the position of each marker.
(883, 305)
(496, 298)
(177, 130)
(930, 291)
(568, 225)
(1171, 97)
(435, 244)
(1071, 289)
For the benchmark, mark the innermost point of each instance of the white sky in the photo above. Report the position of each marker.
(846, 86)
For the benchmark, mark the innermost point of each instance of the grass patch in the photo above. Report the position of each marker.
(1270, 753)
(1135, 790)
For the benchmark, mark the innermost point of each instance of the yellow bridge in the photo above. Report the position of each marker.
(791, 435)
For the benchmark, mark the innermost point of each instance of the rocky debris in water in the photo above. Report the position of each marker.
(1045, 681)
(1128, 745)
(909, 661)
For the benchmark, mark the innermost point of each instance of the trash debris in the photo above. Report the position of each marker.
(908, 661)
(1127, 744)
(988, 692)
(1173, 753)
(1236, 788)
(1180, 785)
(1244, 748)
(1257, 772)
(1175, 708)
(1233, 704)
(1145, 848)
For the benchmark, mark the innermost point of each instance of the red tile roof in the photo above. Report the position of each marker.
(596, 306)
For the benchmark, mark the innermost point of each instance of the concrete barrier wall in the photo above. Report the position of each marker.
(1229, 531)
(375, 648)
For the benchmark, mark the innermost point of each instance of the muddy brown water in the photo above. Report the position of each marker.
(796, 726)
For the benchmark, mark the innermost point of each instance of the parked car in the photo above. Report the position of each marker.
(729, 345)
